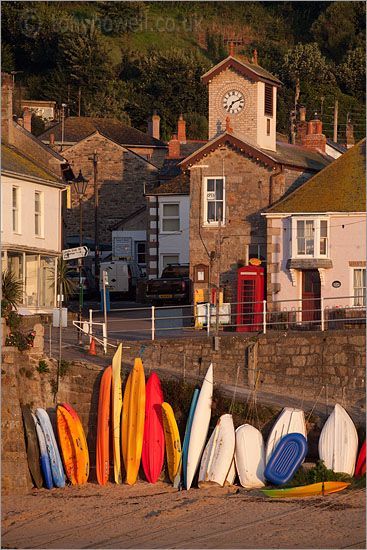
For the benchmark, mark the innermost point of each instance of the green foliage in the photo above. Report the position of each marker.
(215, 47)
(65, 367)
(68, 285)
(7, 58)
(37, 124)
(11, 292)
(20, 340)
(306, 62)
(316, 474)
(352, 73)
(196, 126)
(118, 18)
(14, 320)
(42, 366)
(110, 101)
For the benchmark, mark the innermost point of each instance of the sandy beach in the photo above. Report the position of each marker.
(158, 516)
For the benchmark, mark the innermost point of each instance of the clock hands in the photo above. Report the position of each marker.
(233, 102)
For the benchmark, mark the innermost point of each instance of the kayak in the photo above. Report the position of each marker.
(313, 490)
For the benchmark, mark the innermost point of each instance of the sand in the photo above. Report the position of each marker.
(158, 516)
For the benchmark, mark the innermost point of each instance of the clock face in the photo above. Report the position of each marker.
(233, 102)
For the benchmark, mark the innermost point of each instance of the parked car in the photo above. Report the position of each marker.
(173, 286)
(123, 276)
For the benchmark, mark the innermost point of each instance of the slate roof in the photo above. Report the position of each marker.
(177, 185)
(336, 146)
(78, 128)
(340, 187)
(251, 70)
(15, 162)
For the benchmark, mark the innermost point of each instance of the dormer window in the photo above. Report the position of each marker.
(268, 100)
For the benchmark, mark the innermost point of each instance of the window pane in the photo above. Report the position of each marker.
(37, 202)
(323, 228)
(37, 224)
(210, 185)
(211, 211)
(47, 281)
(15, 264)
(171, 224)
(31, 285)
(359, 283)
(219, 189)
(309, 228)
(171, 210)
(300, 228)
(219, 210)
(15, 197)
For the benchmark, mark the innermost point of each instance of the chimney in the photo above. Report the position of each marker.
(181, 129)
(154, 125)
(7, 128)
(302, 113)
(314, 139)
(254, 58)
(349, 134)
(301, 125)
(174, 148)
(231, 49)
(27, 119)
(20, 121)
(52, 139)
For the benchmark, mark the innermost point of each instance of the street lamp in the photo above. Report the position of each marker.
(80, 186)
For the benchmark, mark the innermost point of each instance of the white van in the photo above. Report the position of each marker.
(122, 276)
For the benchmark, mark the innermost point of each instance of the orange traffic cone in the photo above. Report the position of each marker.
(92, 347)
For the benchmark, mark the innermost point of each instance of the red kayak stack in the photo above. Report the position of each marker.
(361, 462)
(153, 441)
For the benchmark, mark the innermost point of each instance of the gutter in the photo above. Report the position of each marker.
(26, 177)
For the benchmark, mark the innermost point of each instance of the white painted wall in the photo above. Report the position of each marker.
(50, 238)
(134, 235)
(263, 140)
(175, 242)
(347, 243)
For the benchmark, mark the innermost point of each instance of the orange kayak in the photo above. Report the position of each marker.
(103, 428)
(313, 490)
(132, 425)
(67, 443)
(81, 445)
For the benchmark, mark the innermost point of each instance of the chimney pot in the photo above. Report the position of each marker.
(181, 129)
(174, 148)
(27, 117)
(228, 125)
(255, 57)
(302, 114)
(154, 125)
(52, 139)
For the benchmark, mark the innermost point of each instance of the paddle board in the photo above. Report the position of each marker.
(81, 446)
(103, 428)
(289, 421)
(250, 456)
(315, 489)
(200, 426)
(173, 442)
(132, 426)
(57, 470)
(338, 443)
(32, 446)
(116, 413)
(185, 445)
(289, 454)
(153, 441)
(218, 454)
(361, 461)
(45, 459)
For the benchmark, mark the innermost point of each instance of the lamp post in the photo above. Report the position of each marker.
(80, 187)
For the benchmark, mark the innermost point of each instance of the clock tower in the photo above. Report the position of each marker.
(246, 93)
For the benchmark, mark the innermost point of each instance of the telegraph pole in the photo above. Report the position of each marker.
(335, 136)
(96, 205)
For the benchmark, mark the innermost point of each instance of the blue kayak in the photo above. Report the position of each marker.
(57, 469)
(44, 458)
(286, 458)
(185, 445)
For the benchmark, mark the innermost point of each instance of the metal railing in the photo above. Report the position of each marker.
(151, 322)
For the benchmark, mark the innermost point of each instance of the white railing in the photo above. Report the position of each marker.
(179, 320)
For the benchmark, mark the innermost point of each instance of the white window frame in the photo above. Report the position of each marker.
(353, 294)
(316, 238)
(40, 214)
(207, 223)
(162, 217)
(17, 209)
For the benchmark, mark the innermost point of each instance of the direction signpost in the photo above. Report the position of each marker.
(75, 253)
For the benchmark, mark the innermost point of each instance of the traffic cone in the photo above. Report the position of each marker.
(92, 347)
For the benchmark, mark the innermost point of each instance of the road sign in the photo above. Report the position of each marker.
(74, 253)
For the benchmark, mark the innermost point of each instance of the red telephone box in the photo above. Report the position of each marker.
(250, 296)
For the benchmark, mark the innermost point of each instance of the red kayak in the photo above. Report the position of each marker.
(153, 441)
(361, 462)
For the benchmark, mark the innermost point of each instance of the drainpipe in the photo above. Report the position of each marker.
(275, 173)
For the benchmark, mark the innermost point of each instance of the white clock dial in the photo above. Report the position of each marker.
(233, 102)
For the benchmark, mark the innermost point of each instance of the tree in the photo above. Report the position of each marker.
(306, 62)
(118, 18)
(197, 126)
(7, 58)
(352, 73)
(108, 102)
(11, 292)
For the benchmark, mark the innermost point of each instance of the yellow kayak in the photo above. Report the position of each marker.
(173, 442)
(315, 489)
(132, 426)
(116, 413)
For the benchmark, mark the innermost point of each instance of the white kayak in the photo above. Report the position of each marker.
(200, 426)
(218, 455)
(250, 457)
(338, 443)
(289, 421)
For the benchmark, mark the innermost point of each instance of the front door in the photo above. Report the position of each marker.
(311, 296)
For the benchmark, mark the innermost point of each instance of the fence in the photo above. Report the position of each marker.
(153, 322)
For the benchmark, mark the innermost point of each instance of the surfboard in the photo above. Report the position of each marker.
(289, 421)
(81, 445)
(173, 442)
(315, 489)
(185, 445)
(338, 443)
(218, 454)
(361, 461)
(132, 426)
(153, 441)
(200, 426)
(289, 454)
(116, 413)
(103, 428)
(250, 456)
(32, 447)
(57, 470)
(45, 459)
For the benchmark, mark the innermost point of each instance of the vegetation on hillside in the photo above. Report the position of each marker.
(124, 59)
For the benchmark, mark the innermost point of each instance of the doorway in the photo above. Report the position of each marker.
(311, 296)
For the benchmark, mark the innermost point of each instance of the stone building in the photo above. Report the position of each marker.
(120, 161)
